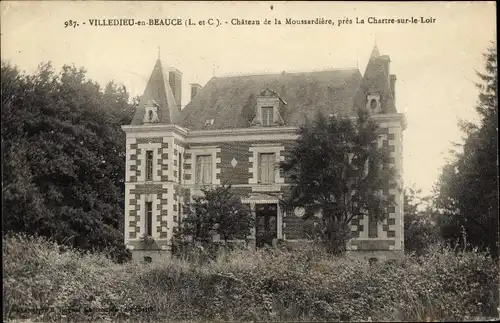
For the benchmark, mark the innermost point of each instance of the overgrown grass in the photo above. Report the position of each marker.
(306, 285)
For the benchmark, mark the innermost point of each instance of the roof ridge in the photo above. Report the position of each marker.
(228, 75)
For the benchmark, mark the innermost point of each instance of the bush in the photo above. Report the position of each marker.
(420, 234)
(307, 284)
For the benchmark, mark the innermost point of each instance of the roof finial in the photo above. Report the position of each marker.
(375, 53)
(159, 56)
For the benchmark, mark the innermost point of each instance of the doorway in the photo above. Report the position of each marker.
(266, 228)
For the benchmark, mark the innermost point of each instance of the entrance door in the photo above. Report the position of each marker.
(266, 228)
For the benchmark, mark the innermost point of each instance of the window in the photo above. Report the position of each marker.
(373, 102)
(149, 165)
(148, 259)
(149, 219)
(267, 116)
(204, 169)
(180, 167)
(266, 167)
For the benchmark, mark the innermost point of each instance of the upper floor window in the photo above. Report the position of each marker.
(204, 169)
(149, 165)
(149, 219)
(180, 167)
(267, 116)
(267, 168)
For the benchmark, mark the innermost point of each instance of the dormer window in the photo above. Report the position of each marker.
(151, 112)
(373, 103)
(268, 108)
(267, 116)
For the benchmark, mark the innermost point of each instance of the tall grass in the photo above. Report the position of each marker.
(304, 285)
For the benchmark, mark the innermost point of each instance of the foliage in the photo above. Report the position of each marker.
(248, 110)
(241, 285)
(148, 242)
(218, 211)
(337, 168)
(62, 157)
(467, 191)
(420, 224)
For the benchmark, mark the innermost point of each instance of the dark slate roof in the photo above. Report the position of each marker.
(158, 90)
(229, 100)
(377, 80)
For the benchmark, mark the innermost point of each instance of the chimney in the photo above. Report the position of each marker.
(392, 80)
(385, 63)
(175, 81)
(195, 88)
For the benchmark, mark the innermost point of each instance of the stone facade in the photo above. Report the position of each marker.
(233, 154)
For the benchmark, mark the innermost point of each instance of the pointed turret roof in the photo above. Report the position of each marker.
(376, 80)
(158, 91)
(375, 53)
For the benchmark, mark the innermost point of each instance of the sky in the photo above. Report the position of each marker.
(435, 63)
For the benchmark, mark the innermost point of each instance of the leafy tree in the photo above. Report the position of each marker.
(219, 211)
(467, 190)
(248, 110)
(337, 168)
(62, 157)
(420, 222)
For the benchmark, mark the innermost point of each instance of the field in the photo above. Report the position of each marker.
(41, 283)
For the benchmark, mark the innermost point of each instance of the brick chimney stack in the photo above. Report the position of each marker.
(393, 86)
(385, 63)
(195, 88)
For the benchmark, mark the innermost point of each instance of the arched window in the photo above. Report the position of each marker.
(372, 261)
(150, 115)
(148, 259)
(373, 102)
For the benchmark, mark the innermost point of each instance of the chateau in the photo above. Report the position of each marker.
(234, 130)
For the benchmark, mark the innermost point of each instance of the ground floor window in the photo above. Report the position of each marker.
(149, 219)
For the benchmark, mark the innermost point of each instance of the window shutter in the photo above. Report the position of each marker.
(204, 169)
(270, 161)
(266, 168)
(208, 170)
(199, 169)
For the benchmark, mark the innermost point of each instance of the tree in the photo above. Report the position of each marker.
(337, 168)
(62, 157)
(467, 190)
(220, 212)
(420, 227)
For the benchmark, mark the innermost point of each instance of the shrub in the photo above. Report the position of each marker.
(420, 233)
(308, 284)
